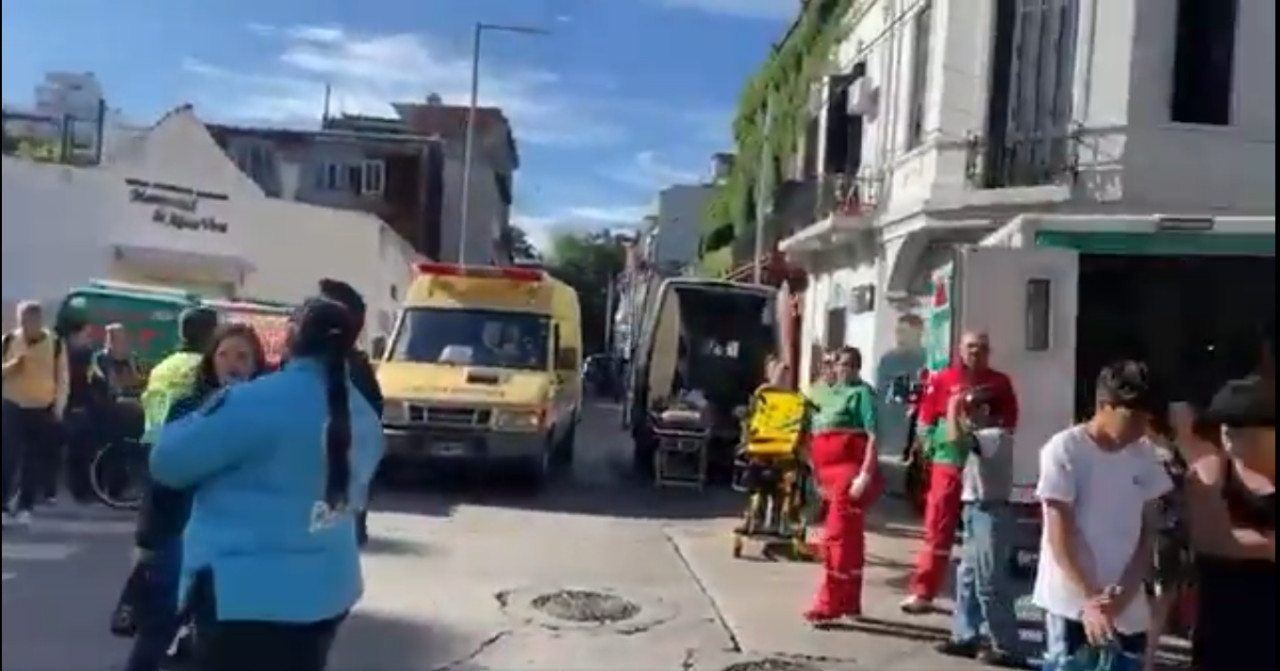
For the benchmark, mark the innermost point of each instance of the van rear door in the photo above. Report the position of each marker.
(1026, 301)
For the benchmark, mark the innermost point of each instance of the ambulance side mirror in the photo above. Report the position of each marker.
(378, 348)
(566, 358)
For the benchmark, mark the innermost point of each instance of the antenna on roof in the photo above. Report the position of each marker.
(328, 96)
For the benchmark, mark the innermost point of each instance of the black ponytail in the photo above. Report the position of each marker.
(324, 331)
(337, 431)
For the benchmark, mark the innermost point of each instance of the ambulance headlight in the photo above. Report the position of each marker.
(395, 412)
(517, 420)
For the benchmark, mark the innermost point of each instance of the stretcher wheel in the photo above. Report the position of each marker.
(737, 547)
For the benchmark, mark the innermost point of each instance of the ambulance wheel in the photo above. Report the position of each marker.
(534, 472)
(643, 450)
(565, 449)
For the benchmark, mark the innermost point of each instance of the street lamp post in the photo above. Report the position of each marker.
(468, 147)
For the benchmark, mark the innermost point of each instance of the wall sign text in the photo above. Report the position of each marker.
(176, 206)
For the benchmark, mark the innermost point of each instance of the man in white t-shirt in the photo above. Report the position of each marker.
(1100, 483)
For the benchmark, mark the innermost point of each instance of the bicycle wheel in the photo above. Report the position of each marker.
(117, 476)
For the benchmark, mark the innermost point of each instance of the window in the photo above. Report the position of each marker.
(374, 177)
(1039, 292)
(256, 161)
(919, 75)
(473, 337)
(1029, 106)
(835, 331)
(1204, 61)
(329, 177)
(355, 178)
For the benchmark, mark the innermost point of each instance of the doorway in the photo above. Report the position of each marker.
(1197, 321)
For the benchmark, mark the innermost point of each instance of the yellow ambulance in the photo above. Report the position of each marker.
(482, 369)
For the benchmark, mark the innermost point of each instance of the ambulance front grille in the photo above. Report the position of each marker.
(434, 415)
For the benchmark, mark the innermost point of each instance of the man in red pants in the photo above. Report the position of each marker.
(947, 459)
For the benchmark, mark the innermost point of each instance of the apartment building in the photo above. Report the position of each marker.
(405, 169)
(944, 118)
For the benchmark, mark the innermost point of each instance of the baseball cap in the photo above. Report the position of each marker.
(1246, 403)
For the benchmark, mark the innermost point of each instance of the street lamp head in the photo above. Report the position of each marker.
(505, 28)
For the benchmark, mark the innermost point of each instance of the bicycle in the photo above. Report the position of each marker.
(118, 475)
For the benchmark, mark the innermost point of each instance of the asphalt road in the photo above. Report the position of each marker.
(454, 572)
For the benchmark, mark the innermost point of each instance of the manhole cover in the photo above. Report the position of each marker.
(576, 605)
(771, 664)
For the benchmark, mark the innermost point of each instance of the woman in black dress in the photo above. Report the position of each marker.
(1232, 514)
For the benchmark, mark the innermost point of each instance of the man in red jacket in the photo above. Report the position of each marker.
(947, 460)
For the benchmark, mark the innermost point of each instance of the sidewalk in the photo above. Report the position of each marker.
(760, 601)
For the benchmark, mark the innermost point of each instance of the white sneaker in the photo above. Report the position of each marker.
(914, 605)
(22, 518)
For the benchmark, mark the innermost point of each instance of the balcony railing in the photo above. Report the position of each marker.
(1031, 160)
(847, 195)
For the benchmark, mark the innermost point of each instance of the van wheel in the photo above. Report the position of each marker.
(533, 473)
(642, 451)
(565, 450)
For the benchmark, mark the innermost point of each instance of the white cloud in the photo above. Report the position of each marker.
(541, 228)
(647, 170)
(773, 10)
(368, 71)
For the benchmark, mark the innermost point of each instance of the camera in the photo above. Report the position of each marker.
(907, 390)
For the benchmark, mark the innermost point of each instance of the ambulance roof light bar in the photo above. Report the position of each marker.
(494, 272)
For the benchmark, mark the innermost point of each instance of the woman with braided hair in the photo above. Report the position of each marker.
(278, 466)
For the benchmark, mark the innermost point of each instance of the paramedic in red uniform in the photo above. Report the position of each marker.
(942, 498)
(842, 452)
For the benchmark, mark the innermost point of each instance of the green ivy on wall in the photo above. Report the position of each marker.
(784, 84)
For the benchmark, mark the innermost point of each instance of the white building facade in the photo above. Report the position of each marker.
(176, 212)
(967, 112)
(681, 209)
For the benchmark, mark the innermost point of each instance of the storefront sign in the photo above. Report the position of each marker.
(175, 206)
(937, 333)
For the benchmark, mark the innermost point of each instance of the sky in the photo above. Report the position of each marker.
(619, 99)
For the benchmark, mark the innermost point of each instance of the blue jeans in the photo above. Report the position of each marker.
(158, 618)
(984, 595)
(1063, 638)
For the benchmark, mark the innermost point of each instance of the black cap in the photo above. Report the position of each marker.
(1247, 403)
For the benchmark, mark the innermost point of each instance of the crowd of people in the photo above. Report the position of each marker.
(266, 579)
(1144, 503)
(61, 390)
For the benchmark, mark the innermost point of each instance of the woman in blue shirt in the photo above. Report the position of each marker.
(278, 466)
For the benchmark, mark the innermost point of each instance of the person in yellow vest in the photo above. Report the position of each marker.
(35, 395)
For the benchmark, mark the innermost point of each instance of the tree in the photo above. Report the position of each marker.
(590, 263)
(521, 248)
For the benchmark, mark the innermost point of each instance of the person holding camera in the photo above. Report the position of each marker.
(984, 606)
(947, 460)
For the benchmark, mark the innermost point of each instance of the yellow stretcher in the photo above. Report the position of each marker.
(770, 468)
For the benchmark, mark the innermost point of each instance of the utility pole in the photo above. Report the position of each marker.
(610, 298)
(763, 194)
(468, 146)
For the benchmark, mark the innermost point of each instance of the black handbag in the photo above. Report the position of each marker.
(126, 614)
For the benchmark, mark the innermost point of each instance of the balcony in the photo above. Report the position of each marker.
(1026, 161)
(837, 206)
(846, 199)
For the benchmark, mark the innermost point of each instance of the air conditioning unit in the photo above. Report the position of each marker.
(863, 97)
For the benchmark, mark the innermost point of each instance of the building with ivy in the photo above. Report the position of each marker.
(879, 134)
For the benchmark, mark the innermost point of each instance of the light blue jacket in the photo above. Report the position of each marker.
(254, 456)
